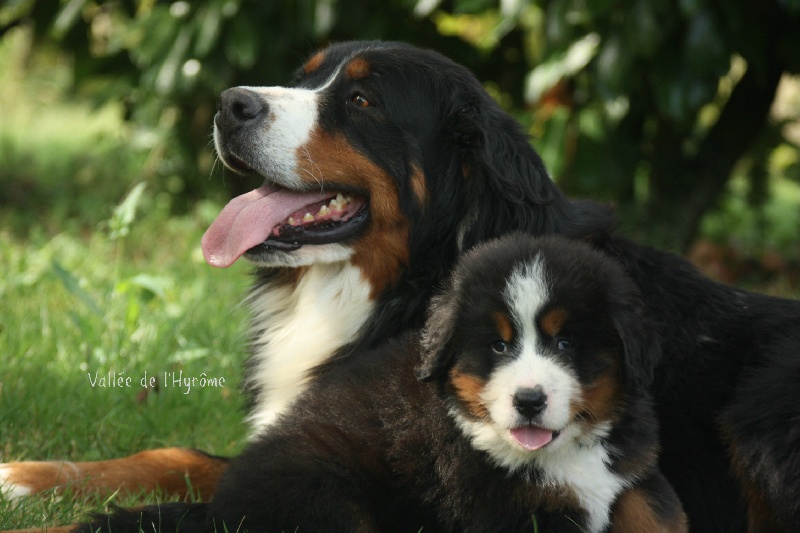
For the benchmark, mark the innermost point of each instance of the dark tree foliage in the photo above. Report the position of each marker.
(646, 103)
(655, 77)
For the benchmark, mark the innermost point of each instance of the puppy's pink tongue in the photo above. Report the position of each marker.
(531, 437)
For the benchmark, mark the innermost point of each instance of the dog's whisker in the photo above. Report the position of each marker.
(321, 179)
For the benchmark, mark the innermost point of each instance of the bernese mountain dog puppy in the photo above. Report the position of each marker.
(536, 415)
(381, 164)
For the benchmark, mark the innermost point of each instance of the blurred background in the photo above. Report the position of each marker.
(683, 113)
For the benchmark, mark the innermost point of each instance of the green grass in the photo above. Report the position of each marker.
(74, 303)
(89, 287)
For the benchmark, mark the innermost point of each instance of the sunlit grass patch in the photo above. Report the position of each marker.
(80, 307)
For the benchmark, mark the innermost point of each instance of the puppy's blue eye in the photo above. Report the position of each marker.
(564, 344)
(499, 347)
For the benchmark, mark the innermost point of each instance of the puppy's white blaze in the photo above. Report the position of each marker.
(526, 292)
(305, 324)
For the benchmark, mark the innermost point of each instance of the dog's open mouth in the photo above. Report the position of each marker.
(533, 437)
(273, 217)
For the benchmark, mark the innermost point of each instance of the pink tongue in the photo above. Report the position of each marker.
(248, 219)
(531, 437)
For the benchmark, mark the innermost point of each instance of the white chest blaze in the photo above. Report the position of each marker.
(303, 325)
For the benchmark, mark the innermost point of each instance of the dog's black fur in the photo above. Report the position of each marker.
(726, 388)
(368, 447)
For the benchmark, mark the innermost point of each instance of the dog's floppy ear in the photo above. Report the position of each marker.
(436, 350)
(640, 344)
(508, 181)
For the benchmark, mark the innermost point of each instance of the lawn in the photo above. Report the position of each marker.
(76, 306)
(101, 276)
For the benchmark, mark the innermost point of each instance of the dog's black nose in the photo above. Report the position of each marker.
(239, 107)
(530, 402)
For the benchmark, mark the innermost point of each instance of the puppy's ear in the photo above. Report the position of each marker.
(641, 348)
(436, 351)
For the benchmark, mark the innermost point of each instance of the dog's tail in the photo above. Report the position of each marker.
(162, 518)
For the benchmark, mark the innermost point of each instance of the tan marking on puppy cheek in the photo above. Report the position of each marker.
(503, 325)
(314, 63)
(468, 389)
(382, 250)
(599, 399)
(552, 321)
(357, 69)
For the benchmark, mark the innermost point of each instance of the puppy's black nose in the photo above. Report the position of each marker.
(239, 107)
(530, 402)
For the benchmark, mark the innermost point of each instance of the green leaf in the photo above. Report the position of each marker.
(209, 25)
(242, 44)
(646, 26)
(73, 286)
(154, 285)
(614, 65)
(705, 52)
(125, 213)
(170, 69)
(156, 32)
(560, 66)
(67, 17)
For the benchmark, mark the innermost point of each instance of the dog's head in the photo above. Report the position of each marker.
(537, 343)
(381, 154)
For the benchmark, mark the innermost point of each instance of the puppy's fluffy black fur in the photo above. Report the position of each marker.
(369, 447)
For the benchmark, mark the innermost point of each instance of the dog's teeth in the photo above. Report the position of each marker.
(308, 217)
(340, 201)
(324, 211)
(292, 221)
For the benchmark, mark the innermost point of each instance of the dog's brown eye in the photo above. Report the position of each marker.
(359, 100)
(563, 344)
(499, 347)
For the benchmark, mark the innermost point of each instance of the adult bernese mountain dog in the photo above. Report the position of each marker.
(537, 415)
(382, 163)
(428, 166)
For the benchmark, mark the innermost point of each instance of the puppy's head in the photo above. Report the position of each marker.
(536, 343)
